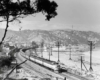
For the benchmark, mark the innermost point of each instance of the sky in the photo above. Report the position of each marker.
(81, 14)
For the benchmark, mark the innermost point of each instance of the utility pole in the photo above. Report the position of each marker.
(70, 46)
(91, 47)
(20, 32)
(70, 53)
(81, 62)
(51, 50)
(58, 51)
(58, 45)
(42, 45)
(49, 53)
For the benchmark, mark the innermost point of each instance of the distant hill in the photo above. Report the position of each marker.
(65, 36)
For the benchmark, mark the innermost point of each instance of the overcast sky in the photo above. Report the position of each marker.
(82, 14)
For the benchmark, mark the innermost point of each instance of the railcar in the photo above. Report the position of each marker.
(44, 62)
(49, 64)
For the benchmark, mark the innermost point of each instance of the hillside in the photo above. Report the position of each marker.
(65, 36)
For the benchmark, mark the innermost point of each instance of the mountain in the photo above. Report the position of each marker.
(65, 36)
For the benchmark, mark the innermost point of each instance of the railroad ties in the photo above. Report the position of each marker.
(63, 72)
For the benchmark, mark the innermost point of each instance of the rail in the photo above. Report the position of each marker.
(67, 75)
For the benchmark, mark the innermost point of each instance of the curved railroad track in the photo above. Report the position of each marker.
(63, 75)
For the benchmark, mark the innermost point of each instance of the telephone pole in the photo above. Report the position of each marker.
(81, 62)
(70, 53)
(58, 45)
(42, 46)
(91, 47)
(49, 51)
(70, 46)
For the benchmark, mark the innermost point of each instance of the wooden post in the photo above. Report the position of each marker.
(51, 50)
(49, 53)
(58, 52)
(70, 54)
(81, 62)
(91, 56)
(91, 47)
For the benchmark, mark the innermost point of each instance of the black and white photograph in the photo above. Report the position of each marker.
(49, 39)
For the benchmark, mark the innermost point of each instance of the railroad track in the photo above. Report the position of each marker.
(44, 70)
(30, 68)
(69, 76)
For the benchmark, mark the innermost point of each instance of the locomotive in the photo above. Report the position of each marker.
(52, 65)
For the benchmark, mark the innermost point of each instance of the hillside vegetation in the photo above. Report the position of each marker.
(65, 36)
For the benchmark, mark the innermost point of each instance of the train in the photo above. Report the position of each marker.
(52, 65)
(47, 63)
